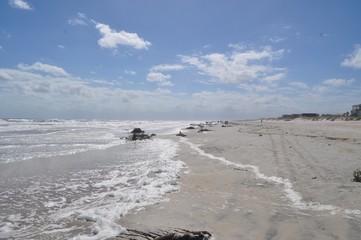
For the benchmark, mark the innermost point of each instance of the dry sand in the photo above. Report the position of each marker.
(302, 189)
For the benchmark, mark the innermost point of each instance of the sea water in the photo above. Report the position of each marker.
(76, 178)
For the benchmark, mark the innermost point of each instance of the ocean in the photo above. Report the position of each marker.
(72, 179)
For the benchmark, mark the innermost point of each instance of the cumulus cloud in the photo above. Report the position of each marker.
(354, 59)
(45, 68)
(156, 74)
(236, 67)
(20, 4)
(336, 82)
(35, 93)
(160, 78)
(111, 38)
(80, 98)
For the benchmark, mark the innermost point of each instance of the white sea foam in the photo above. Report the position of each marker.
(96, 190)
(24, 139)
(294, 197)
(151, 185)
(5, 229)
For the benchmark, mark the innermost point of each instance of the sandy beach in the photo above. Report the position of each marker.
(264, 180)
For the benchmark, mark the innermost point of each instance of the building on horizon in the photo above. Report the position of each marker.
(356, 110)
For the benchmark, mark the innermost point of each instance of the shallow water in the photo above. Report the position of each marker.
(65, 179)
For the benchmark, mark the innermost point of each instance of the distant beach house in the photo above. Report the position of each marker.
(356, 110)
(301, 115)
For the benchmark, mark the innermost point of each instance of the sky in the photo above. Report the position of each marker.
(178, 59)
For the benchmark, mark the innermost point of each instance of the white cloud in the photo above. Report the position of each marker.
(237, 46)
(37, 93)
(21, 4)
(156, 75)
(254, 88)
(60, 46)
(354, 59)
(300, 85)
(274, 78)
(160, 78)
(130, 72)
(80, 20)
(38, 66)
(277, 39)
(233, 104)
(111, 38)
(163, 91)
(34, 94)
(5, 76)
(236, 67)
(320, 89)
(333, 85)
(167, 67)
(335, 82)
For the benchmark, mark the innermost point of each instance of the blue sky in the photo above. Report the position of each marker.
(189, 59)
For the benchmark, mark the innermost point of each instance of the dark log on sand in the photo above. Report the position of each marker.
(138, 134)
(177, 234)
(180, 134)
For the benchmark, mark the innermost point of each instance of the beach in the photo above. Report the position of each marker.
(263, 180)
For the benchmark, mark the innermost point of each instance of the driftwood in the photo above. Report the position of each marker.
(180, 134)
(204, 130)
(137, 131)
(177, 234)
(203, 235)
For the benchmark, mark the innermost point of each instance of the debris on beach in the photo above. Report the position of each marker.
(180, 134)
(138, 134)
(177, 234)
(357, 175)
(186, 236)
(225, 124)
(204, 130)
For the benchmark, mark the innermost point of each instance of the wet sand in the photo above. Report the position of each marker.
(302, 188)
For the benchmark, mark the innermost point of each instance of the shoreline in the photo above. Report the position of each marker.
(232, 202)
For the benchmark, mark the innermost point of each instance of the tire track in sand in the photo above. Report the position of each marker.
(282, 153)
(294, 197)
(301, 152)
